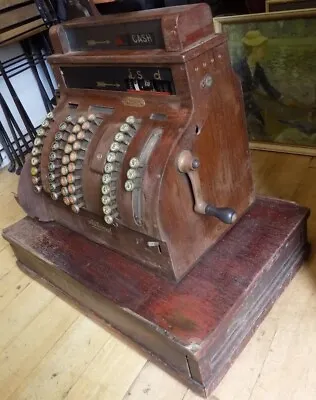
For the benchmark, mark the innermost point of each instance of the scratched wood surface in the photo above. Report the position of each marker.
(50, 351)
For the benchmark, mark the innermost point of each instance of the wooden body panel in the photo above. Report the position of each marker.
(196, 327)
(216, 135)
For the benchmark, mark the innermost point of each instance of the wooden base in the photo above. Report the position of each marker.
(196, 327)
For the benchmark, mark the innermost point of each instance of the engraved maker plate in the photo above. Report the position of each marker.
(133, 101)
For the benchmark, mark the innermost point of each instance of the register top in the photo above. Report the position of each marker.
(171, 29)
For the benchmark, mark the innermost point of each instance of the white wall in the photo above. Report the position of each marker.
(27, 91)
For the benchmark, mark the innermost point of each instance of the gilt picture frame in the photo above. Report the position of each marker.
(274, 57)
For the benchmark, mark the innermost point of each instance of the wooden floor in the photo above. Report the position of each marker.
(49, 351)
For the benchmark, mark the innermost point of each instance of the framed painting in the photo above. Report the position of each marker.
(274, 56)
(286, 5)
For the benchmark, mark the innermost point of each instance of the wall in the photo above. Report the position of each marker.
(27, 90)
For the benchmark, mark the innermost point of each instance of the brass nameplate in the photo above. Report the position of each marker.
(133, 101)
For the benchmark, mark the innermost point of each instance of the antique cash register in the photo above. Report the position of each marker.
(139, 192)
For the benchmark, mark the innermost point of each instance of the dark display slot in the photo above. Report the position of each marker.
(102, 110)
(123, 79)
(158, 117)
(132, 35)
(149, 86)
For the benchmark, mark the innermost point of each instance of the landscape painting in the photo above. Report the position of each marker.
(274, 57)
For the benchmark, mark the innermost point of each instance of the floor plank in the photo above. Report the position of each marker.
(3, 245)
(11, 211)
(23, 354)
(288, 366)
(155, 383)
(102, 380)
(23, 309)
(12, 285)
(61, 368)
(7, 261)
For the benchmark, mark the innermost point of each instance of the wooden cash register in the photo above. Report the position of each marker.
(139, 194)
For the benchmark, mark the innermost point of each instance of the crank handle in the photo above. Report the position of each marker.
(189, 165)
(224, 214)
